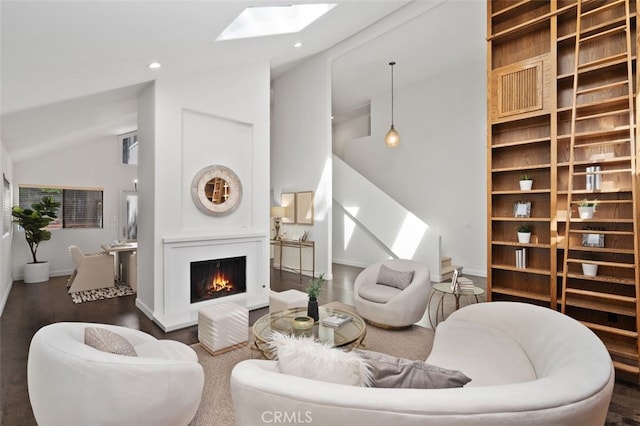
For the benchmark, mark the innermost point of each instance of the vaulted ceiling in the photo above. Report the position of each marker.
(71, 70)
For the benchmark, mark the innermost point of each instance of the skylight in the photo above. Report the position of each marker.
(259, 21)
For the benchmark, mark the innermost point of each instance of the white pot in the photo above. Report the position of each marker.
(589, 269)
(586, 212)
(36, 272)
(524, 237)
(526, 185)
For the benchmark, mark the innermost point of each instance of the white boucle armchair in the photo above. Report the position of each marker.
(390, 307)
(72, 383)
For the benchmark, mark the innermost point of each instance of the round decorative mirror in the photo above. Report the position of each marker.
(216, 190)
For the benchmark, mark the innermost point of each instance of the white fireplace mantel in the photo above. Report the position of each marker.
(180, 250)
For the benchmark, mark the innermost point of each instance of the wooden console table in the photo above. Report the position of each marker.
(300, 245)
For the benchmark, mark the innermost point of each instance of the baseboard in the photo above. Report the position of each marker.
(5, 297)
(144, 308)
(350, 263)
(61, 273)
(475, 272)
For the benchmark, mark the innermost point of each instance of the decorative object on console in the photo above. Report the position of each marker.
(34, 221)
(216, 190)
(277, 213)
(392, 138)
(314, 291)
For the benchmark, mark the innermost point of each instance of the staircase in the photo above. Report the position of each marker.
(398, 231)
(447, 268)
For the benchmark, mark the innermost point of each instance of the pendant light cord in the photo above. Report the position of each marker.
(392, 64)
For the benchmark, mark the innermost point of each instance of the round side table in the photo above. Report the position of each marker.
(442, 289)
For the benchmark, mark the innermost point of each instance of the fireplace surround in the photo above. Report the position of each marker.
(177, 309)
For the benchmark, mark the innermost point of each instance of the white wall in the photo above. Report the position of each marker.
(92, 164)
(301, 151)
(438, 171)
(6, 168)
(209, 117)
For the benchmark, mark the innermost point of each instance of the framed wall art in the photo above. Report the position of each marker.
(304, 208)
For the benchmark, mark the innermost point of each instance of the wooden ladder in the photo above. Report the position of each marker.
(602, 168)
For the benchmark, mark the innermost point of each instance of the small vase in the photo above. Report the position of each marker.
(524, 237)
(586, 212)
(312, 309)
(589, 269)
(526, 185)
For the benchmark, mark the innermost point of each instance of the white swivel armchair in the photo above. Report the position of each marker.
(72, 383)
(386, 305)
(92, 270)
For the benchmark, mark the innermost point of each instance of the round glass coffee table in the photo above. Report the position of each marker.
(351, 333)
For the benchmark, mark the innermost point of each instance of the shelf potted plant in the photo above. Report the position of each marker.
(313, 291)
(524, 234)
(526, 183)
(34, 221)
(586, 208)
(589, 269)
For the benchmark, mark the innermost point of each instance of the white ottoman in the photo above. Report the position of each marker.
(287, 299)
(223, 327)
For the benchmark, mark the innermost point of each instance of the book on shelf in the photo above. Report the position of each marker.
(336, 320)
(521, 258)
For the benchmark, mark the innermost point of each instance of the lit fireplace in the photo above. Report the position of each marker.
(215, 278)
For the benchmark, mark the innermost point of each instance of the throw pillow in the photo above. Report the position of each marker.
(392, 372)
(304, 357)
(393, 278)
(107, 341)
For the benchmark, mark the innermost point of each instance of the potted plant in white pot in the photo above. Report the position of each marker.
(524, 234)
(34, 221)
(589, 269)
(586, 208)
(526, 183)
(314, 291)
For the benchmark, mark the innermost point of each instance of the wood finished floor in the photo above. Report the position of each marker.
(30, 307)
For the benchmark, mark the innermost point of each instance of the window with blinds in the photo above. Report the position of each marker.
(79, 207)
(6, 205)
(129, 144)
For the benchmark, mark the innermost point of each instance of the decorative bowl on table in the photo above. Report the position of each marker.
(302, 323)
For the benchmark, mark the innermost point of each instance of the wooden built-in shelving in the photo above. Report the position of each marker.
(556, 120)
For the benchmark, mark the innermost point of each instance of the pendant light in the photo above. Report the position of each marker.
(392, 139)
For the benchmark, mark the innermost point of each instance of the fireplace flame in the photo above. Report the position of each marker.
(220, 283)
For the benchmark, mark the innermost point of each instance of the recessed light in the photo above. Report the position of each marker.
(257, 21)
(154, 65)
(298, 44)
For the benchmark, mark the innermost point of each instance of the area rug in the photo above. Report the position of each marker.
(216, 407)
(119, 289)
